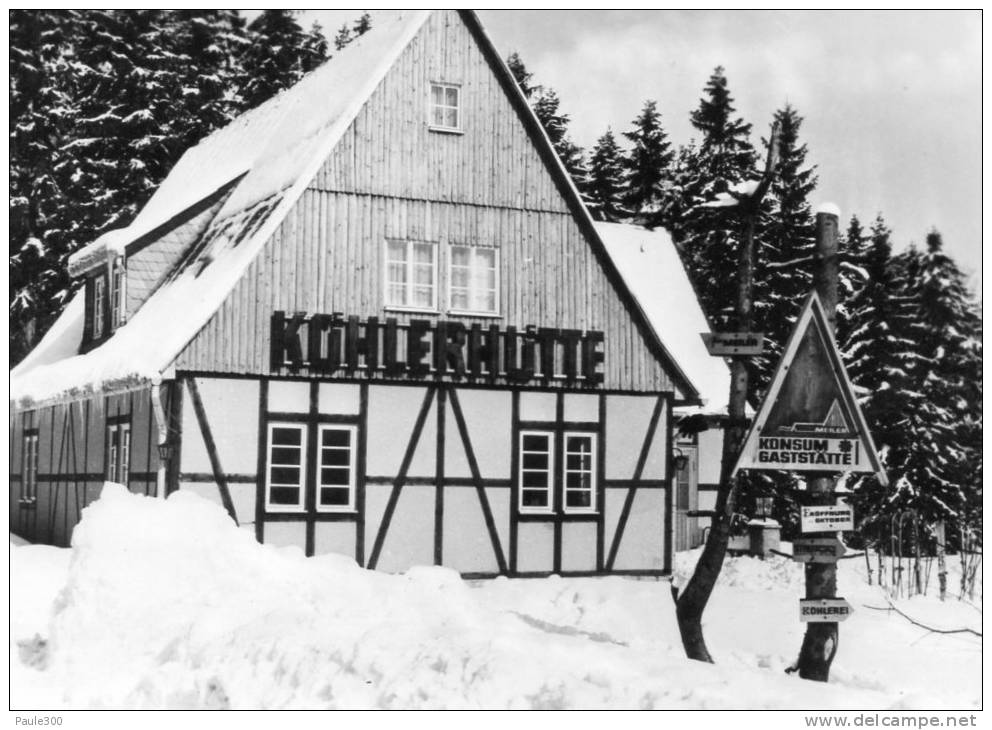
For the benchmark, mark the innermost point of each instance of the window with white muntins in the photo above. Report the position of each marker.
(286, 473)
(411, 274)
(118, 282)
(536, 470)
(336, 468)
(580, 472)
(473, 280)
(118, 452)
(445, 107)
(99, 293)
(29, 468)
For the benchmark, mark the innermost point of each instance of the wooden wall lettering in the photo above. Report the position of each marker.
(336, 343)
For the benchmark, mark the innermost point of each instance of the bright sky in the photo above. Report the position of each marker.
(891, 100)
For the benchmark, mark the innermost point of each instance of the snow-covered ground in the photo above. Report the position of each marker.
(168, 605)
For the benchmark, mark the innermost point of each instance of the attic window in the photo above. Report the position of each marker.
(98, 298)
(446, 108)
(118, 284)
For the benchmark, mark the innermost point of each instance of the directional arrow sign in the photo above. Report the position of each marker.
(826, 518)
(733, 343)
(817, 549)
(824, 610)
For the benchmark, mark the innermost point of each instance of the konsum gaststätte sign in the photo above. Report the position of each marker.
(810, 420)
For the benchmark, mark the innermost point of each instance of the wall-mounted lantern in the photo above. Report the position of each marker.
(166, 451)
(679, 460)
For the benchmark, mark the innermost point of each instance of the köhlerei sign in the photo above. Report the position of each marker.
(824, 610)
(326, 344)
(810, 420)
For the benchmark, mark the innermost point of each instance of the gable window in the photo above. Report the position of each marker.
(580, 472)
(284, 478)
(118, 282)
(445, 107)
(118, 452)
(411, 274)
(473, 279)
(336, 469)
(29, 468)
(99, 294)
(536, 470)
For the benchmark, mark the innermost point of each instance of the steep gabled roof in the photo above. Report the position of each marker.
(654, 273)
(276, 150)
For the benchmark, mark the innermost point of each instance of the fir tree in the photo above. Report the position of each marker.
(342, 38)
(546, 106)
(853, 274)
(649, 161)
(314, 49)
(605, 185)
(361, 26)
(276, 57)
(521, 74)
(938, 476)
(786, 241)
(40, 121)
(709, 238)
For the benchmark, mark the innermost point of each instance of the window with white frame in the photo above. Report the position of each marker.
(286, 472)
(118, 452)
(536, 470)
(411, 274)
(445, 106)
(99, 294)
(580, 472)
(472, 279)
(29, 468)
(336, 468)
(118, 282)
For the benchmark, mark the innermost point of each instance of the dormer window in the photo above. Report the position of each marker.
(446, 107)
(99, 294)
(118, 286)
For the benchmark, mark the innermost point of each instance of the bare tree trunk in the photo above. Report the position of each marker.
(941, 560)
(691, 603)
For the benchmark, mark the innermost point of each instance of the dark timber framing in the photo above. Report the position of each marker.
(638, 470)
(211, 446)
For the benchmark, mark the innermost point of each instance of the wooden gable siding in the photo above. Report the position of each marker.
(327, 256)
(390, 149)
(390, 177)
(154, 260)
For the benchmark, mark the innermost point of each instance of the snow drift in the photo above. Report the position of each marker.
(166, 604)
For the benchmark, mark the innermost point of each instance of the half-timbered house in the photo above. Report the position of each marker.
(369, 317)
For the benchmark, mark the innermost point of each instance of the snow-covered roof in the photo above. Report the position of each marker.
(653, 271)
(276, 149)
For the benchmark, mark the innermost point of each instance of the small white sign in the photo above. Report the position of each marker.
(824, 610)
(826, 518)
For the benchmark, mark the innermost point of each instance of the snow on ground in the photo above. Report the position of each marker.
(168, 605)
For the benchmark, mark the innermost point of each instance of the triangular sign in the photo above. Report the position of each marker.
(810, 420)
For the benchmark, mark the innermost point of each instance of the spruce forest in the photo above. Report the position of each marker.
(103, 103)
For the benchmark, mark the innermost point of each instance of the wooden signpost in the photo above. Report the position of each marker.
(824, 610)
(810, 421)
(729, 344)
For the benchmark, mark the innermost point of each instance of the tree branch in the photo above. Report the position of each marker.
(923, 626)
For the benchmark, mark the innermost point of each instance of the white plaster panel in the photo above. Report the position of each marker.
(339, 398)
(289, 396)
